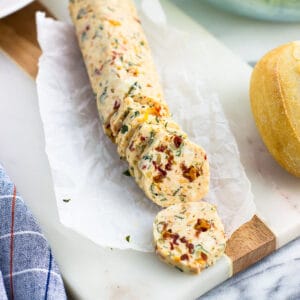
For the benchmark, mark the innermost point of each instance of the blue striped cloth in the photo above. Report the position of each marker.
(27, 268)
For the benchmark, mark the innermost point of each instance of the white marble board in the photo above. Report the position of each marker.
(91, 272)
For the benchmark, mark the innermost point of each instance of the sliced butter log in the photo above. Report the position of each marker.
(119, 64)
(115, 122)
(189, 236)
(144, 136)
(135, 117)
(173, 169)
(127, 105)
(116, 53)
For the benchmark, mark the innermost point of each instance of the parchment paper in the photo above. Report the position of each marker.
(94, 197)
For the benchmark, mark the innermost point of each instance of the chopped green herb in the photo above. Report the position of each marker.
(136, 113)
(142, 43)
(179, 150)
(147, 157)
(183, 211)
(151, 138)
(163, 199)
(178, 269)
(178, 217)
(82, 12)
(124, 129)
(103, 95)
(83, 36)
(199, 247)
(100, 27)
(157, 119)
(181, 198)
(174, 194)
(97, 34)
(127, 238)
(66, 200)
(132, 88)
(126, 173)
(142, 147)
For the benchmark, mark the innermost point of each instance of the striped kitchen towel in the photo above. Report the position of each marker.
(27, 268)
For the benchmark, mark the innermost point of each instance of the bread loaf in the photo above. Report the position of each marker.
(275, 101)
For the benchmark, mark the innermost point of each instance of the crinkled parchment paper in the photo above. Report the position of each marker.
(93, 196)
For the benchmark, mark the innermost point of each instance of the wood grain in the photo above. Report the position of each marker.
(250, 243)
(18, 37)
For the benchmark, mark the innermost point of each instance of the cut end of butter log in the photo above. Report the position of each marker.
(275, 101)
(189, 236)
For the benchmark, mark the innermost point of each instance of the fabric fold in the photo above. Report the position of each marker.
(27, 267)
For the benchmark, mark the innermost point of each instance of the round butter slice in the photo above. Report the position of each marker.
(144, 136)
(173, 170)
(123, 108)
(136, 117)
(189, 236)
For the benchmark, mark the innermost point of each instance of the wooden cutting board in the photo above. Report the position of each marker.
(250, 243)
(18, 38)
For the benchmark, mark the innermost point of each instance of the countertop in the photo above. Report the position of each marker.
(276, 276)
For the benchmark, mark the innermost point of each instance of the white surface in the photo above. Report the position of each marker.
(89, 271)
(8, 7)
(90, 172)
(92, 272)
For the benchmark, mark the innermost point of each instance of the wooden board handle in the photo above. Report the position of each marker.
(18, 37)
(249, 244)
